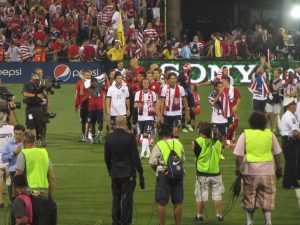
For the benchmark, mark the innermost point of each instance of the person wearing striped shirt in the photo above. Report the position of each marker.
(26, 52)
(150, 32)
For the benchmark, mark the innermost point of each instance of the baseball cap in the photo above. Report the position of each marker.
(289, 100)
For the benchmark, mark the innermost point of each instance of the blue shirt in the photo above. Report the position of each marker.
(186, 52)
(9, 155)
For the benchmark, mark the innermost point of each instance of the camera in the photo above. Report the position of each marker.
(6, 102)
(49, 84)
(215, 133)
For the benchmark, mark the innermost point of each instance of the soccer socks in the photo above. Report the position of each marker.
(267, 216)
(249, 218)
(145, 147)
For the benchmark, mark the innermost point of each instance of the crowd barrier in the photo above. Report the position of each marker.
(69, 72)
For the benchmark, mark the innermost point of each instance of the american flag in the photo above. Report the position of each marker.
(259, 86)
(139, 45)
(222, 105)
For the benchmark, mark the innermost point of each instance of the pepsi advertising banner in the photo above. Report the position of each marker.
(66, 72)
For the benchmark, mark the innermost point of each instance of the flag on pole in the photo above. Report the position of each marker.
(121, 36)
(139, 45)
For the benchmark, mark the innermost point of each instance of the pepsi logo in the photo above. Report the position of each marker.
(62, 72)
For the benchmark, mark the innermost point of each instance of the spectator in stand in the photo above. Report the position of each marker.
(14, 26)
(54, 33)
(225, 47)
(116, 53)
(242, 49)
(84, 26)
(168, 52)
(101, 51)
(131, 49)
(54, 49)
(257, 38)
(39, 52)
(40, 34)
(215, 48)
(89, 52)
(13, 52)
(26, 52)
(115, 21)
(159, 27)
(185, 52)
(196, 47)
(73, 52)
(132, 33)
(149, 32)
(129, 11)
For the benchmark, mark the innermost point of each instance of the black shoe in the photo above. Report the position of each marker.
(198, 218)
(1, 205)
(220, 218)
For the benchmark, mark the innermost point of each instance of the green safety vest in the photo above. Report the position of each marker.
(37, 163)
(209, 159)
(165, 147)
(258, 144)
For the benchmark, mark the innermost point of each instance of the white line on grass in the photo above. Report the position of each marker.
(298, 195)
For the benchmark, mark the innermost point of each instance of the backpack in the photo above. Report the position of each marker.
(43, 211)
(174, 165)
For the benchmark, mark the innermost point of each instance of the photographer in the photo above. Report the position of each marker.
(35, 98)
(7, 104)
(208, 153)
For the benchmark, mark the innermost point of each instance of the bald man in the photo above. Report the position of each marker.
(122, 162)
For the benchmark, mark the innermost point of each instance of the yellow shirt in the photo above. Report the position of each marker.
(167, 54)
(116, 54)
(217, 48)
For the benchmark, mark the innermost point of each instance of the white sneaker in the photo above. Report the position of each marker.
(83, 138)
(184, 130)
(190, 128)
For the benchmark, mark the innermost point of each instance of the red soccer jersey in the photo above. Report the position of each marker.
(136, 72)
(73, 50)
(81, 100)
(96, 99)
(39, 35)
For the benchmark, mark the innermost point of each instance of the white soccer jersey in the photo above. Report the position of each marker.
(118, 98)
(6, 135)
(145, 115)
(172, 112)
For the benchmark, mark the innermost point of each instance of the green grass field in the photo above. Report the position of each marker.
(82, 185)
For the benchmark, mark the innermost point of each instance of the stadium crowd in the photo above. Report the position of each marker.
(86, 31)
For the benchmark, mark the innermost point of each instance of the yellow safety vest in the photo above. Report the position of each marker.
(37, 163)
(258, 145)
(165, 147)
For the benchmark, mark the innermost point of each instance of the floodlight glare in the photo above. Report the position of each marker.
(296, 12)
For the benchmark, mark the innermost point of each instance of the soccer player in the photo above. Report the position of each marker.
(96, 104)
(145, 101)
(81, 101)
(117, 99)
(172, 102)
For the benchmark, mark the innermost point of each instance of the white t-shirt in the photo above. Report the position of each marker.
(170, 112)
(118, 98)
(6, 135)
(216, 117)
(145, 116)
(123, 72)
(289, 123)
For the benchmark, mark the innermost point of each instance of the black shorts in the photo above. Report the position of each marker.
(35, 118)
(259, 105)
(84, 115)
(166, 187)
(146, 126)
(172, 121)
(223, 128)
(95, 116)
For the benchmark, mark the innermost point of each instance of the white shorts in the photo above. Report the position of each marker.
(273, 108)
(202, 185)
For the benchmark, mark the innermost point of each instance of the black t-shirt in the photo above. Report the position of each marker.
(28, 87)
(19, 208)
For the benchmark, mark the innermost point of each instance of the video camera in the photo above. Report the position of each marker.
(5, 99)
(48, 85)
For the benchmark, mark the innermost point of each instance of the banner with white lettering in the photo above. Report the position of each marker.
(68, 72)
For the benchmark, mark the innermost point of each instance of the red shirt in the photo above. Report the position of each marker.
(154, 86)
(81, 100)
(224, 47)
(136, 72)
(96, 101)
(73, 50)
(59, 25)
(88, 52)
(137, 86)
(55, 46)
(39, 35)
